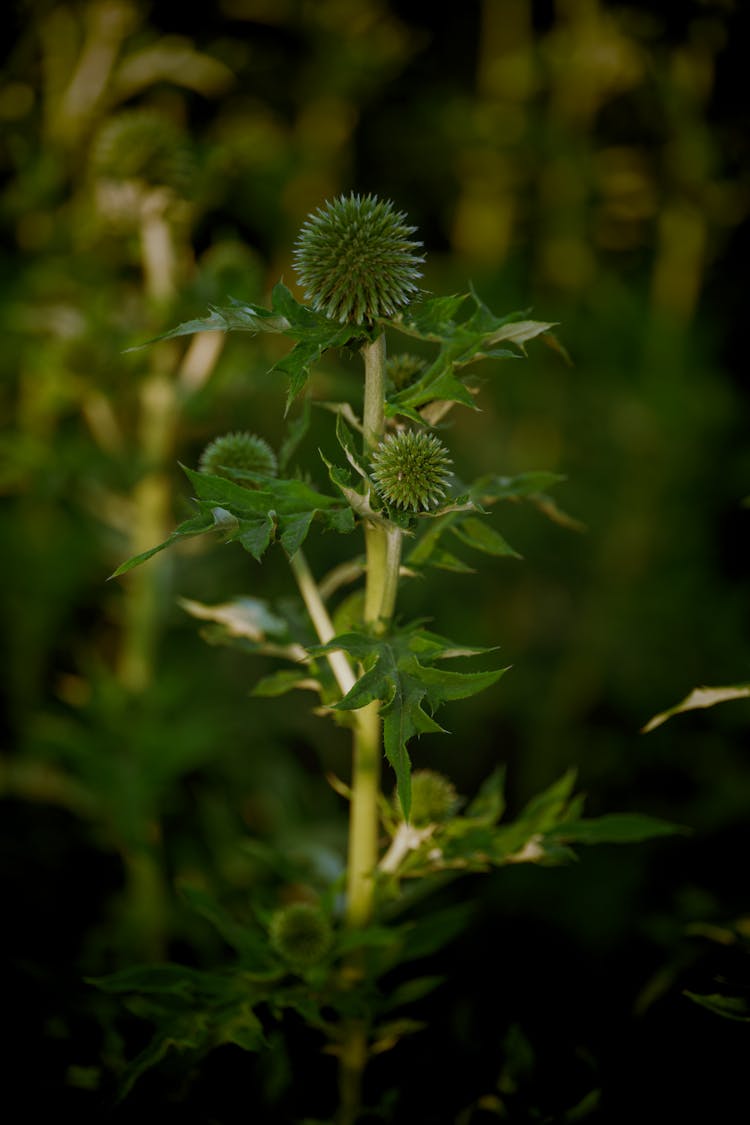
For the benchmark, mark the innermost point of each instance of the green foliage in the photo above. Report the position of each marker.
(400, 673)
(280, 510)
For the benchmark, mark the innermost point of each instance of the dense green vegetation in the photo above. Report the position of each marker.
(584, 160)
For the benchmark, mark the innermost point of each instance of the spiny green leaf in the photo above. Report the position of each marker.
(249, 943)
(615, 828)
(283, 681)
(296, 431)
(700, 697)
(491, 488)
(255, 517)
(400, 674)
(461, 342)
(234, 317)
(489, 804)
(482, 536)
(197, 525)
(730, 1007)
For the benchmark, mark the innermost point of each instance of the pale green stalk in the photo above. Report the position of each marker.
(383, 559)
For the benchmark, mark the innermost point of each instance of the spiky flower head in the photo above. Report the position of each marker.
(301, 934)
(355, 260)
(234, 454)
(433, 798)
(142, 144)
(403, 369)
(410, 470)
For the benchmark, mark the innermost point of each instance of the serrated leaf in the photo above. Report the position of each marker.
(249, 944)
(489, 804)
(482, 536)
(730, 1007)
(283, 681)
(345, 438)
(296, 431)
(197, 525)
(314, 333)
(235, 317)
(491, 488)
(166, 980)
(698, 698)
(615, 828)
(410, 991)
(255, 517)
(242, 617)
(401, 676)
(461, 342)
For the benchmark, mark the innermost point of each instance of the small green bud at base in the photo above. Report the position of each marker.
(433, 798)
(355, 260)
(410, 470)
(241, 451)
(402, 370)
(301, 934)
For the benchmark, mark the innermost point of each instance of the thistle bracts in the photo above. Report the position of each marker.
(410, 470)
(355, 260)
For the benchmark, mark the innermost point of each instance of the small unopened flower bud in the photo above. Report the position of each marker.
(355, 260)
(403, 369)
(301, 934)
(410, 470)
(240, 451)
(433, 798)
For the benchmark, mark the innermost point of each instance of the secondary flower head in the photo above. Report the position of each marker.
(301, 934)
(433, 797)
(241, 451)
(410, 470)
(355, 259)
(404, 369)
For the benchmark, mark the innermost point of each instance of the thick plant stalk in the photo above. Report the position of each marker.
(383, 558)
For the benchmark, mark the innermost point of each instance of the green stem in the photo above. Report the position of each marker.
(383, 549)
(315, 606)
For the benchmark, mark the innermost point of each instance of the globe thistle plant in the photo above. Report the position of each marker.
(356, 261)
(232, 455)
(410, 470)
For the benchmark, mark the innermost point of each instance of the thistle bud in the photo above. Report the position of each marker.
(301, 934)
(404, 369)
(433, 798)
(355, 260)
(410, 470)
(232, 455)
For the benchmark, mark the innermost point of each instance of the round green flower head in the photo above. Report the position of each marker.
(404, 369)
(141, 144)
(301, 934)
(433, 797)
(410, 470)
(234, 454)
(355, 260)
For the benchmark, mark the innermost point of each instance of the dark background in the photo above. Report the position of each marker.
(586, 160)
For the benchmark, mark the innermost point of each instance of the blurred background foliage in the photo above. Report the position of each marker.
(585, 159)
